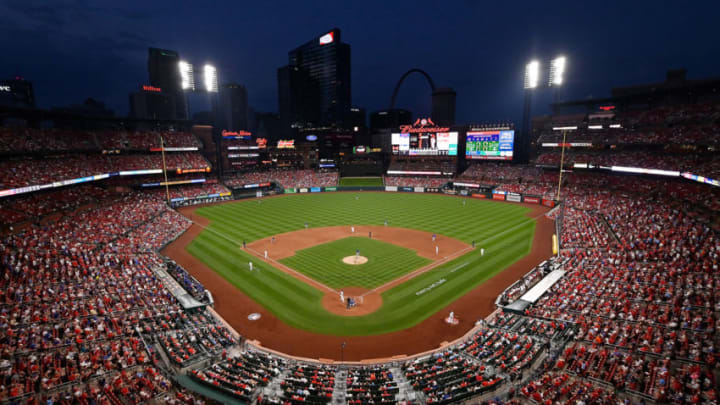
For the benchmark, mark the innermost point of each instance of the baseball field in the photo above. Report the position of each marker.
(407, 278)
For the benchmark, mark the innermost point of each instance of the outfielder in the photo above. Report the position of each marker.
(251, 266)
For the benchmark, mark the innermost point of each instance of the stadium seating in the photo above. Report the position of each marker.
(286, 178)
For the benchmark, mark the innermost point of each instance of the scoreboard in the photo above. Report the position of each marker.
(491, 145)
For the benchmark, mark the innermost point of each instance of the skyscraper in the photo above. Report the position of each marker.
(233, 107)
(164, 70)
(314, 88)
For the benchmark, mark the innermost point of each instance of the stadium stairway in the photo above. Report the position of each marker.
(405, 390)
(273, 389)
(340, 391)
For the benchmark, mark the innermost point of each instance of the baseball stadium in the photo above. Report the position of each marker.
(164, 258)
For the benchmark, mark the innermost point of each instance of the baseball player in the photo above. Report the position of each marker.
(434, 237)
(251, 266)
(437, 249)
(482, 251)
(342, 296)
(357, 252)
(266, 255)
(352, 229)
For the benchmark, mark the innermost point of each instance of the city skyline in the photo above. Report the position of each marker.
(72, 51)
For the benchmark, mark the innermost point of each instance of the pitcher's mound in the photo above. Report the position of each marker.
(355, 260)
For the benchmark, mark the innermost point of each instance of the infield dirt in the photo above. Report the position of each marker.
(269, 331)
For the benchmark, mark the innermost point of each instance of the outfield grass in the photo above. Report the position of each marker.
(324, 263)
(362, 181)
(502, 229)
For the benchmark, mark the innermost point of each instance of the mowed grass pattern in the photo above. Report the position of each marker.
(361, 181)
(502, 229)
(324, 263)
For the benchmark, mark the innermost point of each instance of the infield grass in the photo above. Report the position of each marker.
(362, 181)
(502, 229)
(324, 263)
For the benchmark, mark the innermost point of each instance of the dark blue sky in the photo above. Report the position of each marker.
(72, 50)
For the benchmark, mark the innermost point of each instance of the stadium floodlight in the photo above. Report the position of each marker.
(532, 74)
(211, 80)
(595, 127)
(187, 79)
(557, 70)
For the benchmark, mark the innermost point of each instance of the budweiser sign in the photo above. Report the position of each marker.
(422, 125)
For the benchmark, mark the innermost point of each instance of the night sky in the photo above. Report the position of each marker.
(72, 50)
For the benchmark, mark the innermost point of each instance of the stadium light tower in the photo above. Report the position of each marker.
(557, 70)
(187, 79)
(532, 77)
(211, 79)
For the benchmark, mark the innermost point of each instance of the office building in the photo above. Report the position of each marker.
(164, 71)
(233, 108)
(319, 69)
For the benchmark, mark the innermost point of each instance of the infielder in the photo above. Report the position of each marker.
(266, 255)
(352, 229)
(437, 249)
(251, 266)
(342, 296)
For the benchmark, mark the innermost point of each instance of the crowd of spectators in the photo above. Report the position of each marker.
(240, 375)
(704, 164)
(37, 205)
(448, 376)
(439, 166)
(27, 140)
(286, 178)
(371, 385)
(78, 295)
(189, 191)
(415, 181)
(25, 171)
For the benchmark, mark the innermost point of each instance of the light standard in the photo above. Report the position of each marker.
(531, 82)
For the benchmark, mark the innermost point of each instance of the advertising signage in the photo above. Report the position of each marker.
(424, 138)
(491, 144)
(236, 135)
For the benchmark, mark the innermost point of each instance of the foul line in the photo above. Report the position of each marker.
(390, 283)
(260, 256)
(444, 260)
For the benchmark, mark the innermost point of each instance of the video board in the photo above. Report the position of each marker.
(425, 143)
(491, 144)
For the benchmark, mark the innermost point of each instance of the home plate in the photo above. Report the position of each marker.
(254, 316)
